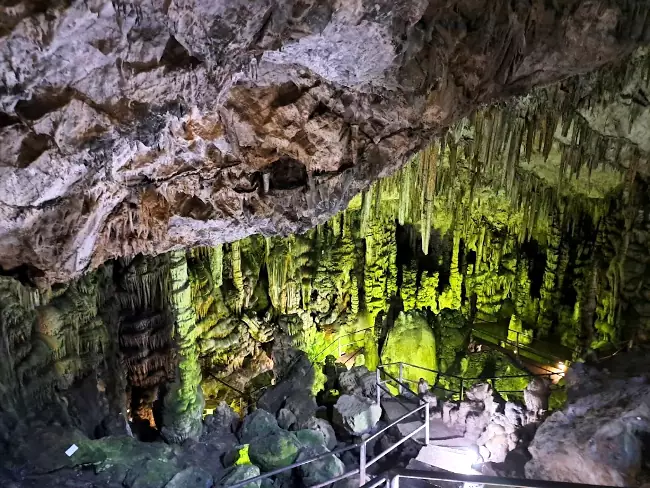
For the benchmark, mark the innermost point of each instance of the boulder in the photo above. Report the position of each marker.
(599, 437)
(275, 450)
(310, 438)
(297, 375)
(151, 474)
(286, 419)
(302, 404)
(324, 427)
(348, 380)
(241, 473)
(358, 381)
(192, 477)
(319, 471)
(223, 419)
(259, 423)
(357, 415)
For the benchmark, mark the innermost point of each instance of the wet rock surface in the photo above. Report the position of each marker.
(195, 123)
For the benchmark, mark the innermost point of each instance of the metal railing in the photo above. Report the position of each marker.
(392, 479)
(402, 382)
(518, 345)
(364, 462)
(341, 347)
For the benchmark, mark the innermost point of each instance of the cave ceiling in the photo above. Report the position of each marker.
(142, 127)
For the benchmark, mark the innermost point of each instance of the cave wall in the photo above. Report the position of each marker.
(527, 214)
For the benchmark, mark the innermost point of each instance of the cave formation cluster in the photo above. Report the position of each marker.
(531, 215)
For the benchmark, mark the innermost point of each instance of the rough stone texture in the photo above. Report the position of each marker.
(274, 451)
(325, 428)
(142, 127)
(241, 473)
(536, 395)
(319, 471)
(357, 415)
(190, 478)
(599, 437)
(223, 419)
(259, 423)
(471, 417)
(286, 418)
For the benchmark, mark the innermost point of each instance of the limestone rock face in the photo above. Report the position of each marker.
(130, 127)
(598, 437)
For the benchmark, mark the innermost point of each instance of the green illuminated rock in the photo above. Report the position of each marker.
(411, 340)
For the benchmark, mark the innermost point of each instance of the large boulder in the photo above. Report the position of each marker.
(321, 470)
(357, 415)
(302, 404)
(599, 437)
(191, 478)
(294, 373)
(259, 423)
(325, 428)
(358, 381)
(223, 419)
(241, 473)
(275, 450)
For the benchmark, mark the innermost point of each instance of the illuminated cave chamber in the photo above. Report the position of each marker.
(530, 215)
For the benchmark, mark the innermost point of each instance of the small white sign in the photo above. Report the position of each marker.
(71, 450)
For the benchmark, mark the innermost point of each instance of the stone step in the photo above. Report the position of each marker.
(455, 459)
(438, 431)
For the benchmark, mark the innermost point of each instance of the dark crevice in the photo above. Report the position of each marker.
(175, 56)
(287, 173)
(32, 147)
(288, 93)
(43, 103)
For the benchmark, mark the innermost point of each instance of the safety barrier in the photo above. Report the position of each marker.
(518, 346)
(392, 479)
(402, 382)
(364, 462)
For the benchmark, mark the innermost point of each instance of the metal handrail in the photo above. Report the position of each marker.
(400, 381)
(364, 463)
(518, 345)
(391, 478)
(268, 474)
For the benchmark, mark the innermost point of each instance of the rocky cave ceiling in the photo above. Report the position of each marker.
(150, 126)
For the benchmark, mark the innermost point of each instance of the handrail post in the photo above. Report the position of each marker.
(462, 389)
(378, 373)
(426, 424)
(362, 464)
(517, 344)
(400, 390)
(394, 483)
